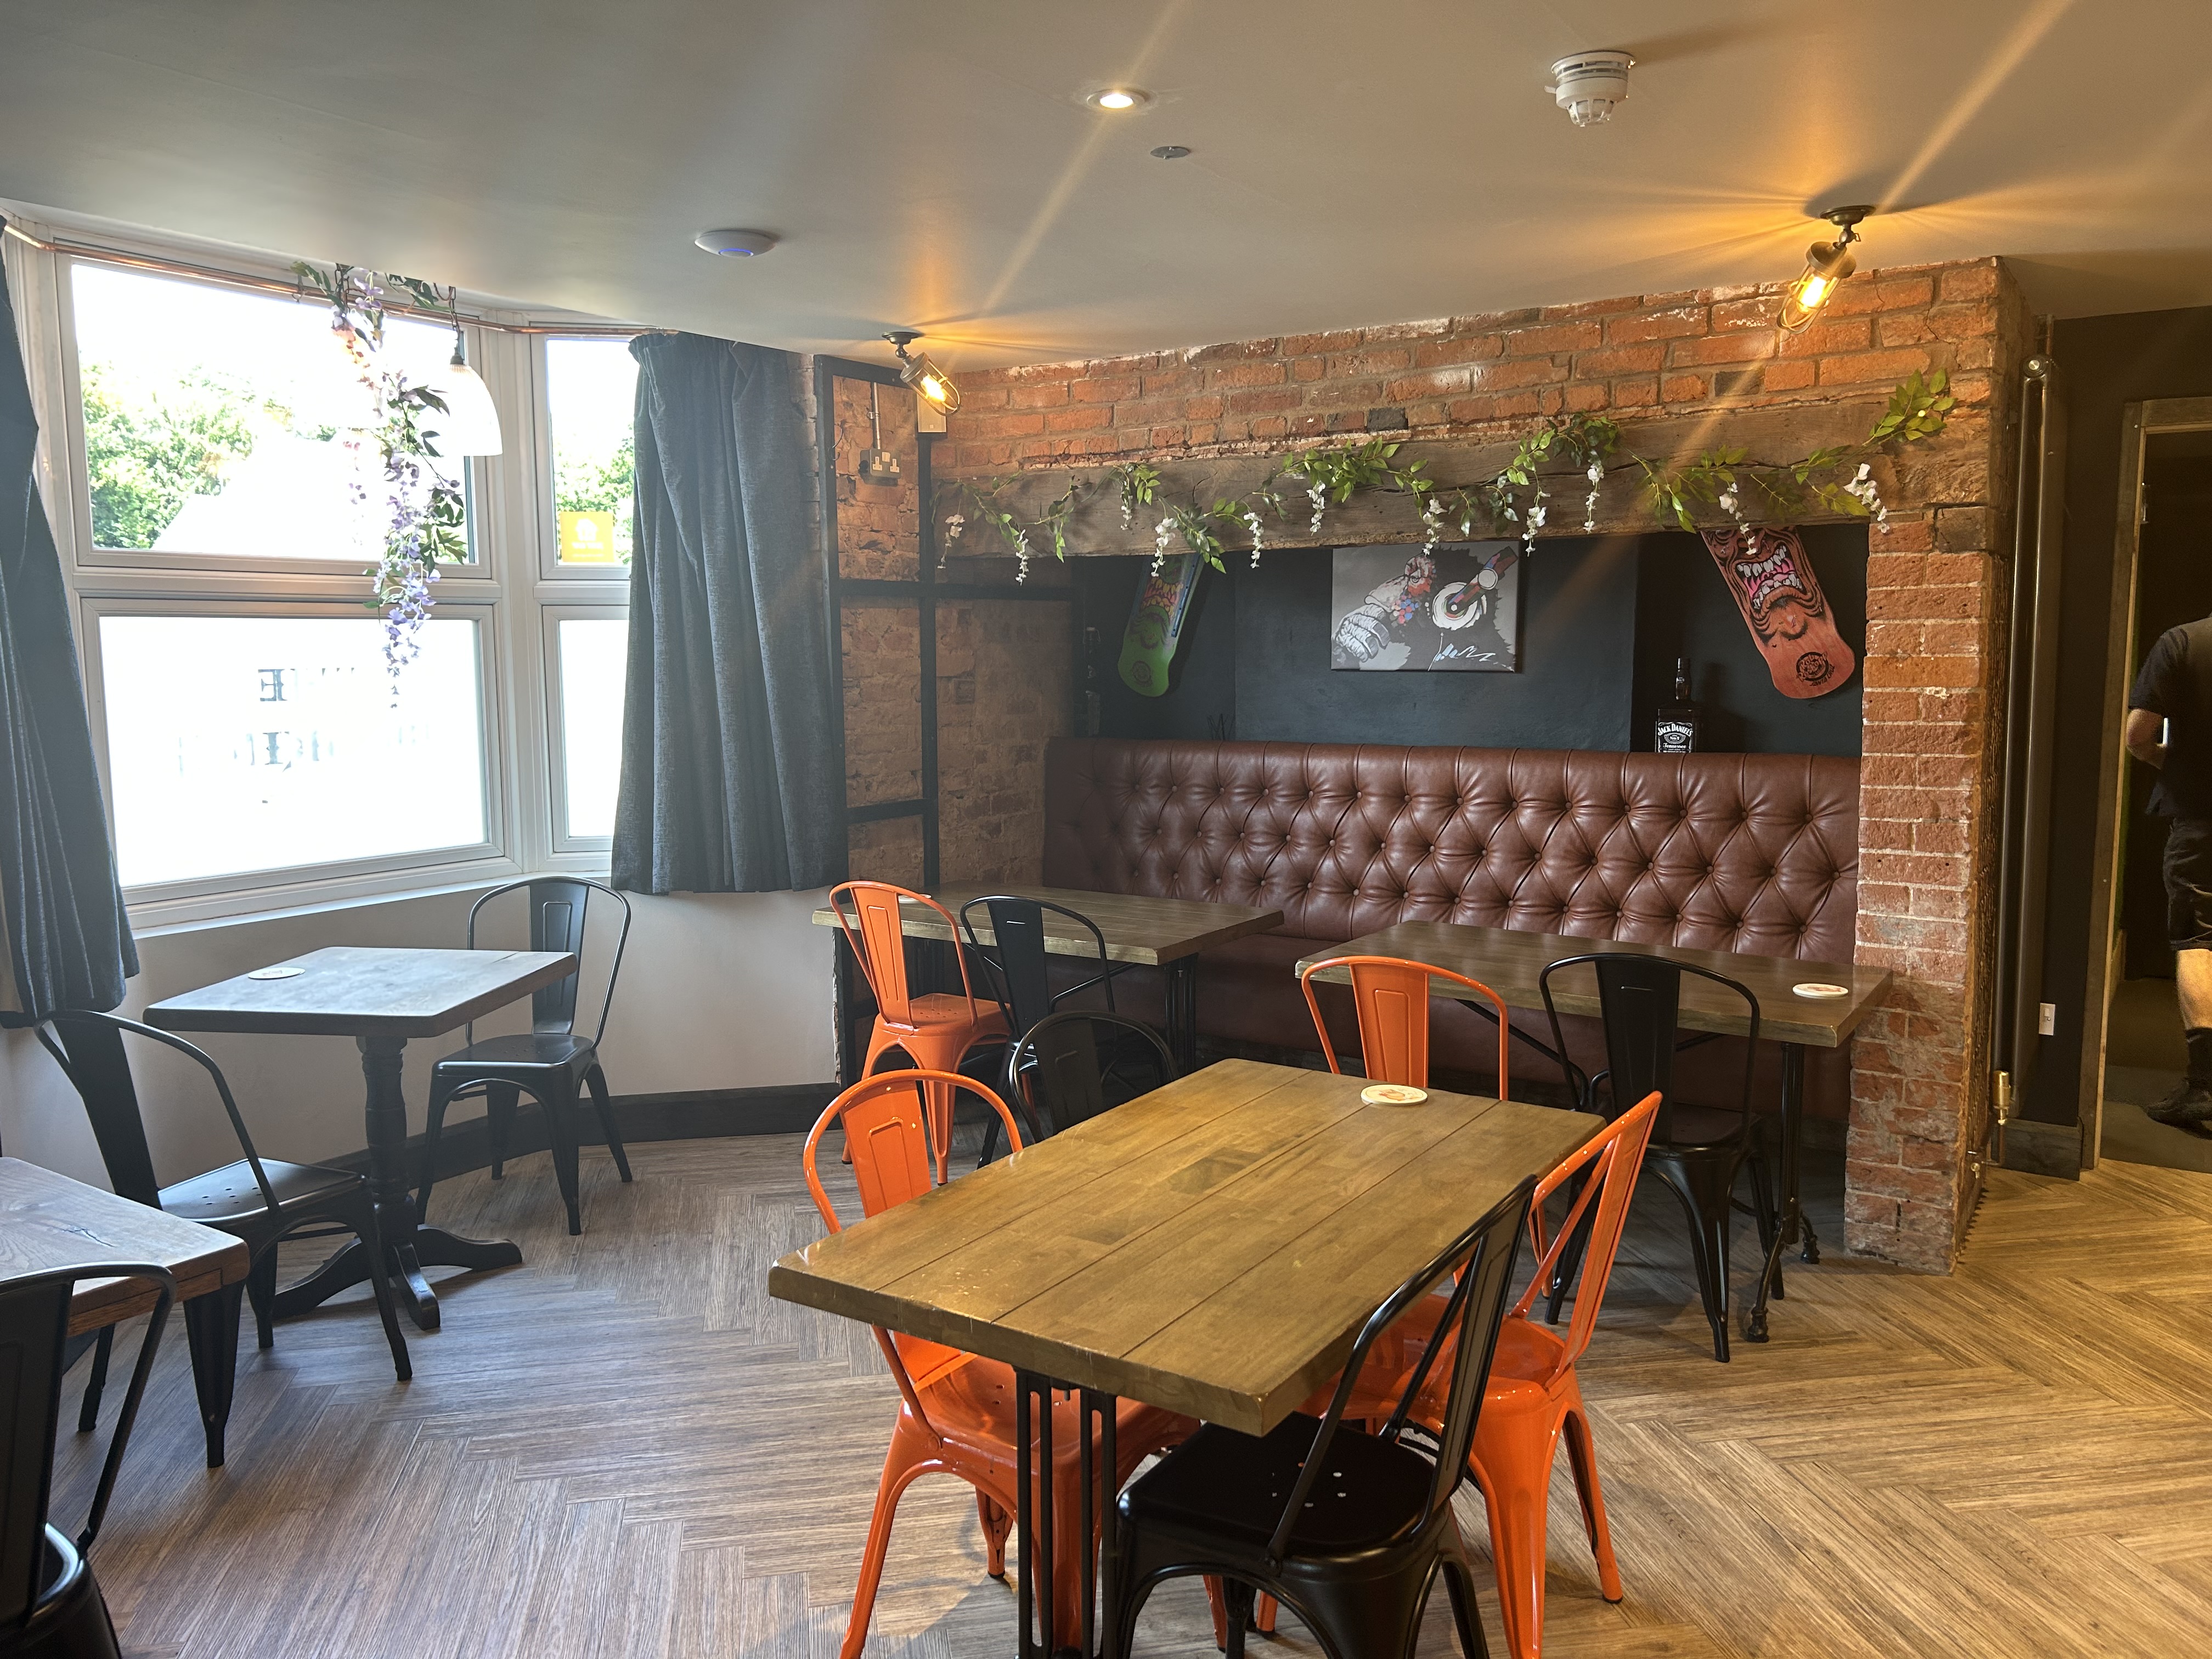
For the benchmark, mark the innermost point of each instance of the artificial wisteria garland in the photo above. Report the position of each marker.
(1513, 500)
(425, 517)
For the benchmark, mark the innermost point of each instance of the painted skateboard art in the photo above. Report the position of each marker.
(1780, 597)
(1148, 646)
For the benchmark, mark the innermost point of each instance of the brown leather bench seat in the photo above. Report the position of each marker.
(1749, 853)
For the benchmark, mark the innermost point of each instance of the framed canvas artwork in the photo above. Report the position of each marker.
(1458, 607)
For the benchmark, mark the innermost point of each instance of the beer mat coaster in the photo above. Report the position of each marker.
(1393, 1094)
(277, 973)
(1818, 991)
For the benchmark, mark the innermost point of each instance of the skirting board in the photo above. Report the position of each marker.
(697, 1115)
(2044, 1149)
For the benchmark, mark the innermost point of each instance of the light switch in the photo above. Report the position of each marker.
(2046, 1018)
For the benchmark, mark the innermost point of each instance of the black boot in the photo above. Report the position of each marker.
(2190, 1106)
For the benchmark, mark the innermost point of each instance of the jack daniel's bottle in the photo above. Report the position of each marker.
(1675, 730)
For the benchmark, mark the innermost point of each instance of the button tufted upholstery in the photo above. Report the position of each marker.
(1749, 853)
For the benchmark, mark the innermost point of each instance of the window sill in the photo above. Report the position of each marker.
(167, 917)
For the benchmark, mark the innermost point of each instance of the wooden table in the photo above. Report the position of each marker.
(49, 1221)
(1510, 962)
(1211, 1247)
(1154, 932)
(380, 998)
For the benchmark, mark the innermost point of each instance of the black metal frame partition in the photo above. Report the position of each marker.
(926, 591)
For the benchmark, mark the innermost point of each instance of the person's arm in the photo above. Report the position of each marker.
(2142, 736)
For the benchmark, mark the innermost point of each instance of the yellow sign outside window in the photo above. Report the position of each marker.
(588, 539)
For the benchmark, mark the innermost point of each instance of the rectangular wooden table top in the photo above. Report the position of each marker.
(1509, 961)
(1139, 929)
(350, 990)
(1211, 1247)
(48, 1220)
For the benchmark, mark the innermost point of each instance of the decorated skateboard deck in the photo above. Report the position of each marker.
(1148, 646)
(1780, 597)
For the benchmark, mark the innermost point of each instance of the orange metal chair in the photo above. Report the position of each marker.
(1392, 997)
(957, 1409)
(936, 1029)
(1533, 1397)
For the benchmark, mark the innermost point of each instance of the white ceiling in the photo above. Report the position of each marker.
(932, 165)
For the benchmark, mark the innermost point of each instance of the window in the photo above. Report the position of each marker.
(216, 537)
(591, 390)
(250, 743)
(216, 422)
(592, 654)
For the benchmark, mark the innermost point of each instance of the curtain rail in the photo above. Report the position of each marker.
(293, 290)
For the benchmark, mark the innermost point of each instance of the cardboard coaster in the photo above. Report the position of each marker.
(277, 973)
(1819, 990)
(1393, 1094)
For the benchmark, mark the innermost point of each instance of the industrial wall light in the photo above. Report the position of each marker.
(930, 383)
(1827, 265)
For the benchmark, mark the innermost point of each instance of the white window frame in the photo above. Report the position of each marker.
(511, 588)
(553, 616)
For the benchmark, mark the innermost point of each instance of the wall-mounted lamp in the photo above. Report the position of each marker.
(1827, 265)
(470, 425)
(931, 383)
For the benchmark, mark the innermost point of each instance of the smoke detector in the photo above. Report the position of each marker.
(736, 244)
(1589, 84)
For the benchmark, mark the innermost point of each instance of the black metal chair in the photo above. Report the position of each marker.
(1075, 1064)
(260, 1201)
(1346, 1529)
(1017, 969)
(549, 1062)
(1697, 1149)
(51, 1607)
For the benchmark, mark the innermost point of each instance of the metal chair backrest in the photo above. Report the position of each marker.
(1480, 1262)
(559, 907)
(886, 1123)
(879, 946)
(1640, 1000)
(35, 1310)
(91, 1055)
(1017, 959)
(1057, 1066)
(1392, 997)
(1612, 1158)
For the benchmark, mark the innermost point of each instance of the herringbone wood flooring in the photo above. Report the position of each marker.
(625, 1449)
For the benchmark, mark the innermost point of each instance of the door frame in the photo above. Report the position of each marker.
(2139, 422)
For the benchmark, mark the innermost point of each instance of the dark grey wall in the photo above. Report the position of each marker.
(2107, 362)
(1683, 609)
(1603, 619)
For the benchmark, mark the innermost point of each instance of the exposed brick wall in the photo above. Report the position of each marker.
(1004, 670)
(1674, 368)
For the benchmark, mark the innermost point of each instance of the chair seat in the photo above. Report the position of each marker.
(1223, 1484)
(535, 1049)
(941, 1011)
(1694, 1129)
(230, 1194)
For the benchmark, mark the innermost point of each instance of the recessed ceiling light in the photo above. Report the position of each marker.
(736, 244)
(1118, 98)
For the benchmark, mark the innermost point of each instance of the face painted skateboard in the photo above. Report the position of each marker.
(1783, 605)
(1148, 647)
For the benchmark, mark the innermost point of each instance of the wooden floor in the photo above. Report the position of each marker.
(622, 1448)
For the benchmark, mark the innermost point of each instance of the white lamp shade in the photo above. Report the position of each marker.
(470, 425)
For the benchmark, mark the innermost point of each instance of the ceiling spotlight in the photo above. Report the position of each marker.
(735, 244)
(1118, 98)
(1827, 265)
(931, 383)
(1172, 152)
(1589, 83)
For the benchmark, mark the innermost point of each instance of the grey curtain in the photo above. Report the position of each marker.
(68, 940)
(731, 776)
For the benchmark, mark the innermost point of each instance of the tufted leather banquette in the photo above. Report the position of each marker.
(1748, 852)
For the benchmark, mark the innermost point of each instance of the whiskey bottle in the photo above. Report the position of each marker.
(1675, 732)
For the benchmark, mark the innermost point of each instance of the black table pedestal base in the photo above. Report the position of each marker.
(1789, 1220)
(1099, 1464)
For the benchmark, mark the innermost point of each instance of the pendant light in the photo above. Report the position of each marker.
(1827, 265)
(470, 425)
(931, 383)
